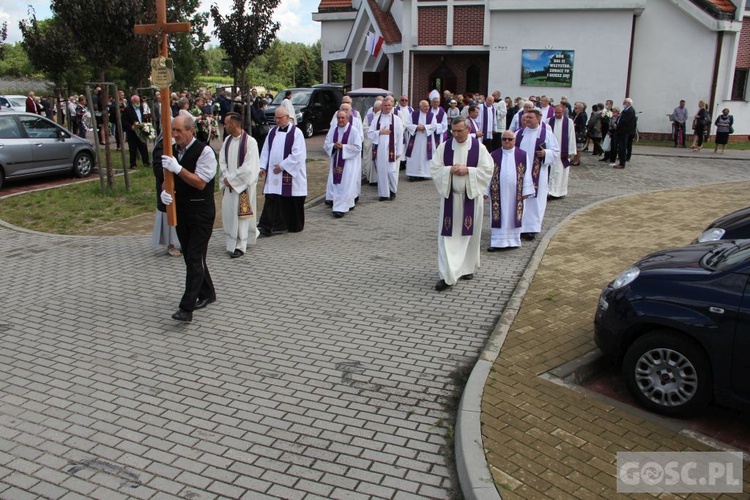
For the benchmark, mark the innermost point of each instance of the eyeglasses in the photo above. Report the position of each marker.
(508, 139)
(403, 100)
(459, 130)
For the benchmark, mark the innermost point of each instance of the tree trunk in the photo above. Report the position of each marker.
(104, 103)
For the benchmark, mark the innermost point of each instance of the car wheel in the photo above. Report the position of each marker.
(82, 165)
(668, 373)
(308, 129)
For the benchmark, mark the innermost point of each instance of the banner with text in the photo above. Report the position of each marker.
(547, 68)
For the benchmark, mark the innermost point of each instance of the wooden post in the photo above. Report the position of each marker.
(162, 28)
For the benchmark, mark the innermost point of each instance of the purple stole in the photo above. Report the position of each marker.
(337, 162)
(354, 113)
(472, 160)
(286, 177)
(440, 137)
(550, 113)
(243, 146)
(537, 167)
(472, 126)
(410, 147)
(391, 143)
(495, 204)
(564, 152)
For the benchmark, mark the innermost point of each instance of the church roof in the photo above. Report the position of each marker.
(719, 9)
(386, 23)
(334, 5)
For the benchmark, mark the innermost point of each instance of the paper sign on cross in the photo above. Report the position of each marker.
(162, 28)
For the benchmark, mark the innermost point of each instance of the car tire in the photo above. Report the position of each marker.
(83, 164)
(668, 373)
(307, 129)
(2, 178)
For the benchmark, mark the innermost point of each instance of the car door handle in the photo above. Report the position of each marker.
(717, 310)
(38, 144)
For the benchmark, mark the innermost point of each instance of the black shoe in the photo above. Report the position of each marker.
(263, 233)
(201, 303)
(467, 277)
(528, 236)
(338, 215)
(383, 198)
(181, 315)
(393, 195)
(329, 203)
(237, 254)
(373, 184)
(604, 159)
(441, 285)
(356, 200)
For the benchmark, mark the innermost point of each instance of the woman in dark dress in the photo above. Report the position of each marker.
(724, 126)
(579, 120)
(700, 122)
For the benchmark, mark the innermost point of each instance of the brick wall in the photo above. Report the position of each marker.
(426, 64)
(743, 51)
(468, 25)
(432, 22)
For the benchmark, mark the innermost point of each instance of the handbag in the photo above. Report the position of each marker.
(607, 143)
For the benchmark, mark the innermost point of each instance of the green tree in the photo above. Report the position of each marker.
(3, 37)
(49, 47)
(245, 33)
(101, 29)
(15, 63)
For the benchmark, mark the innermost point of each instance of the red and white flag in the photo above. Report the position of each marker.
(374, 44)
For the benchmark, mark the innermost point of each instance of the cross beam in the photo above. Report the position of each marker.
(162, 28)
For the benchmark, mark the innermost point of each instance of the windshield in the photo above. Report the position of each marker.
(728, 255)
(299, 97)
(16, 101)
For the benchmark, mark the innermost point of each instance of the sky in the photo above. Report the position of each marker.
(294, 16)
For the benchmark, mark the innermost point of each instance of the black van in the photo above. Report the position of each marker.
(315, 106)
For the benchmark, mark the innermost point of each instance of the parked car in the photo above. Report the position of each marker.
(734, 226)
(33, 146)
(678, 323)
(315, 106)
(12, 103)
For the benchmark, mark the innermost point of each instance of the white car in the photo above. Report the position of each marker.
(12, 103)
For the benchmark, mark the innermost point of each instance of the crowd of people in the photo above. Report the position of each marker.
(514, 154)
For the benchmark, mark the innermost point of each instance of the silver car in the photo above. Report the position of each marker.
(12, 103)
(33, 146)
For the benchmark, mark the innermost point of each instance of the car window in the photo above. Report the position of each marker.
(735, 255)
(326, 99)
(38, 128)
(15, 101)
(9, 128)
(4, 102)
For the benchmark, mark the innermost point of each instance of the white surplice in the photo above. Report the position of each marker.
(294, 164)
(344, 193)
(459, 255)
(558, 173)
(239, 231)
(387, 170)
(418, 164)
(368, 167)
(535, 206)
(357, 124)
(508, 235)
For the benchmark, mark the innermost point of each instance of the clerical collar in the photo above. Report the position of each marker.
(284, 129)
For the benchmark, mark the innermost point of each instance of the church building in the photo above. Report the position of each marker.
(655, 51)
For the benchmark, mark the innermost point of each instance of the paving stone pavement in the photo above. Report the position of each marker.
(326, 369)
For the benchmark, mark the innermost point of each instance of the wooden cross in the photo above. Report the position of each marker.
(162, 28)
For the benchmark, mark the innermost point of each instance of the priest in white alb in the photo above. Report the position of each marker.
(420, 124)
(510, 185)
(387, 136)
(461, 170)
(357, 124)
(441, 120)
(283, 164)
(538, 141)
(565, 133)
(344, 145)
(239, 167)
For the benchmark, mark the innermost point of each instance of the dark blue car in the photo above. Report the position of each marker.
(678, 322)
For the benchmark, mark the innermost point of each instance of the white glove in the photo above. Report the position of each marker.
(166, 198)
(170, 163)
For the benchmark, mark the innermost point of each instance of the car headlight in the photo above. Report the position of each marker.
(625, 278)
(713, 234)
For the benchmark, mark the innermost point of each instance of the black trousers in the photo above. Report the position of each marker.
(488, 143)
(497, 141)
(135, 145)
(195, 223)
(622, 148)
(282, 213)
